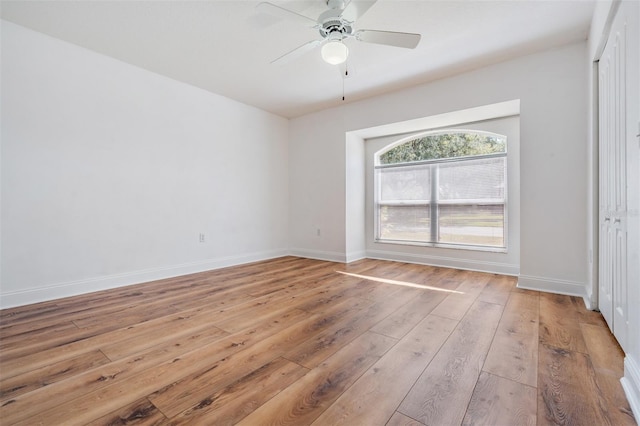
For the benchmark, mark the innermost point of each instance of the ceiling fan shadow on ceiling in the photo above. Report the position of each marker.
(335, 25)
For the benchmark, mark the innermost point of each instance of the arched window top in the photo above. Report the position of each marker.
(441, 145)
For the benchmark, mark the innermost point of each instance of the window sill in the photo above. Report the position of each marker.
(450, 246)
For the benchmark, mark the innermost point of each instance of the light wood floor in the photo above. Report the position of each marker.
(297, 341)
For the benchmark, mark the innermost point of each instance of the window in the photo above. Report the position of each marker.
(445, 188)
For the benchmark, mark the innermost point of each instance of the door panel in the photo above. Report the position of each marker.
(618, 67)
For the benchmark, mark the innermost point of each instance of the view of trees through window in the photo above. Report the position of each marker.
(443, 188)
(444, 145)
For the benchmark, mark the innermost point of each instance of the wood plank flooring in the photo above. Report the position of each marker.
(295, 341)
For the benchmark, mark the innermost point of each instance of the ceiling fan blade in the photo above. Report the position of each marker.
(297, 52)
(355, 9)
(281, 12)
(390, 38)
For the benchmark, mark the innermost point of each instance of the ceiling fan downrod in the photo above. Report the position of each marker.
(336, 4)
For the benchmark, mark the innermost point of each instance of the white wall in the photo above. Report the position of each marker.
(110, 173)
(553, 170)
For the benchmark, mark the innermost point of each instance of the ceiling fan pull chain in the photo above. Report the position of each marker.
(344, 77)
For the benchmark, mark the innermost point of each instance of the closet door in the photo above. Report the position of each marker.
(607, 110)
(618, 167)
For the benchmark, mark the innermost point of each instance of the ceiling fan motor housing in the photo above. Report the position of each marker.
(332, 26)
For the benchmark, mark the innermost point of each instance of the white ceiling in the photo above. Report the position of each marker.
(226, 46)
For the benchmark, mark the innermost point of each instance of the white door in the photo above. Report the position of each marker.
(618, 157)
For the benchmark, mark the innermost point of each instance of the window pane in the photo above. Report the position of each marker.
(405, 183)
(481, 180)
(472, 224)
(406, 223)
(439, 145)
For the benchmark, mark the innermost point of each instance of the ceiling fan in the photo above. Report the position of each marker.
(335, 25)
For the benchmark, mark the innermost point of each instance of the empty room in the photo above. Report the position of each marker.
(391, 212)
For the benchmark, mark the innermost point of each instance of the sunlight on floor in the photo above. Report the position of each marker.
(403, 283)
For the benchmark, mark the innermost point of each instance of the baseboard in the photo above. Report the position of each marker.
(589, 304)
(590, 299)
(330, 256)
(446, 262)
(631, 384)
(553, 285)
(353, 256)
(74, 288)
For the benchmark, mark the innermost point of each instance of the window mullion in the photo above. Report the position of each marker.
(434, 203)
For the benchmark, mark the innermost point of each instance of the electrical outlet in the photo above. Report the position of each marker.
(318, 232)
(202, 237)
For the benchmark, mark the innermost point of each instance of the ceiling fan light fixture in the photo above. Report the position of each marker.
(334, 52)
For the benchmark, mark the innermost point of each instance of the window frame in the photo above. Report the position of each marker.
(434, 203)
